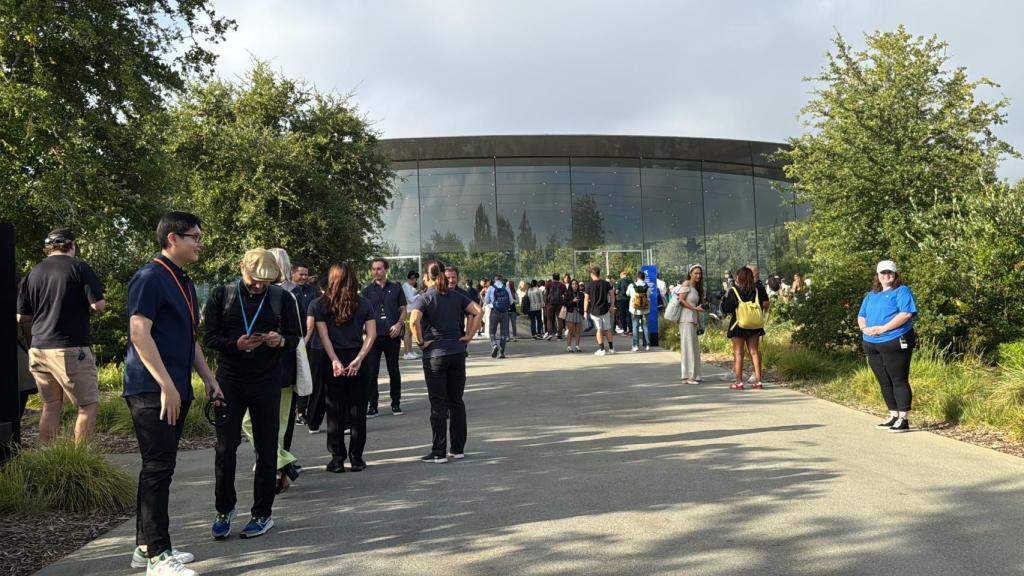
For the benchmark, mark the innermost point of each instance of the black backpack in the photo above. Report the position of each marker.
(502, 301)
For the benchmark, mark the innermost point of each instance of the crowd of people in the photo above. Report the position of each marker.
(291, 352)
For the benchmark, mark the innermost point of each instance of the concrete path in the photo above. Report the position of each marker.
(609, 466)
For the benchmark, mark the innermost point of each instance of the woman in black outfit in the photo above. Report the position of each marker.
(745, 290)
(572, 302)
(342, 318)
(436, 323)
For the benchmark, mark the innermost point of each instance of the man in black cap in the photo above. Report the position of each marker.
(57, 298)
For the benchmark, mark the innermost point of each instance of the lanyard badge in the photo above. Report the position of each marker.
(245, 318)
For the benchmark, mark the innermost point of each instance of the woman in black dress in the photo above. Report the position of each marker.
(745, 291)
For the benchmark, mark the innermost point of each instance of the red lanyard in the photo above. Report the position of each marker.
(186, 296)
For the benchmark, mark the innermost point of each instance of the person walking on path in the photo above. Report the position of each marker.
(163, 318)
(623, 322)
(304, 292)
(253, 325)
(692, 298)
(57, 298)
(746, 301)
(387, 300)
(437, 318)
(536, 297)
(343, 318)
(886, 319)
(597, 303)
(639, 300)
(412, 292)
(572, 303)
(552, 306)
(499, 301)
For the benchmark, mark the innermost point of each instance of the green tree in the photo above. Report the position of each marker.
(899, 161)
(269, 161)
(78, 84)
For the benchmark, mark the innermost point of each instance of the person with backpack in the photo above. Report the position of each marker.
(499, 302)
(639, 299)
(746, 302)
(251, 324)
(553, 291)
(886, 319)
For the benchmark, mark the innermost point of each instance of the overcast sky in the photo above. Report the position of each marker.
(725, 69)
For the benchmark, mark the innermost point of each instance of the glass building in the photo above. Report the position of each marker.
(529, 206)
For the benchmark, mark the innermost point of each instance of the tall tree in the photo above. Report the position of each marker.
(898, 146)
(269, 161)
(78, 84)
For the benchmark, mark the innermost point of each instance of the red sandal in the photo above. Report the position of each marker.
(736, 386)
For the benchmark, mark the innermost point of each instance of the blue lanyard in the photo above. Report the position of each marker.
(245, 319)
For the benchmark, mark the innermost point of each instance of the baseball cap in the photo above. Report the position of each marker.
(885, 266)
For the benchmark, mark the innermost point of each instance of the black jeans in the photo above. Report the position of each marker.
(158, 447)
(446, 382)
(890, 362)
(623, 319)
(346, 403)
(263, 401)
(316, 404)
(388, 347)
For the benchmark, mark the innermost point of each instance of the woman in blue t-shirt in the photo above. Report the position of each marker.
(436, 323)
(347, 329)
(886, 318)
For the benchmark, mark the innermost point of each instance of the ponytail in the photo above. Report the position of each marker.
(434, 270)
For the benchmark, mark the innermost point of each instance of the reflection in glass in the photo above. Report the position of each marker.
(457, 205)
(606, 203)
(401, 234)
(776, 252)
(534, 203)
(673, 200)
(729, 217)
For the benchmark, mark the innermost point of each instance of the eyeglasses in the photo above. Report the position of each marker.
(197, 237)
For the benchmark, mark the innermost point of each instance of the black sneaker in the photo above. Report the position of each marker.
(372, 412)
(494, 351)
(396, 410)
(336, 466)
(358, 466)
(887, 424)
(432, 458)
(900, 425)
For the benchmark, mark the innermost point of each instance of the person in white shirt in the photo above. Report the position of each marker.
(411, 293)
(639, 298)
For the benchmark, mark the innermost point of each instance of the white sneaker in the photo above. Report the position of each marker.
(578, 349)
(167, 565)
(140, 560)
(647, 348)
(314, 431)
(611, 351)
(600, 352)
(417, 355)
(407, 356)
(619, 330)
(635, 349)
(568, 348)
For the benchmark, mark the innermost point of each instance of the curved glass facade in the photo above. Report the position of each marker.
(526, 207)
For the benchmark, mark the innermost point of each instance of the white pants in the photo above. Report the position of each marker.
(689, 348)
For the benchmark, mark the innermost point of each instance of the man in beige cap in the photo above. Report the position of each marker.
(252, 325)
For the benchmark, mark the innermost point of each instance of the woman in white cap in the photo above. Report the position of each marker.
(692, 297)
(886, 319)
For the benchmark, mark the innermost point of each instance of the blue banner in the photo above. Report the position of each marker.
(651, 270)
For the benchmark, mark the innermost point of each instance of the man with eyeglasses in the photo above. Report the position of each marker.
(57, 298)
(163, 312)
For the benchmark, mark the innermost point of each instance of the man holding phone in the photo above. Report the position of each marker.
(163, 316)
(251, 324)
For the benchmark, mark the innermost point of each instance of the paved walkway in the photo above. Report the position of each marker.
(609, 466)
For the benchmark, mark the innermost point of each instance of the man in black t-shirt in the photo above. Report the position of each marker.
(57, 298)
(553, 291)
(597, 303)
(387, 301)
(622, 318)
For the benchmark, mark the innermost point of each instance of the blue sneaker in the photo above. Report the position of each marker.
(222, 525)
(257, 527)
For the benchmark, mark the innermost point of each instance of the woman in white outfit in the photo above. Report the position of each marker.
(692, 297)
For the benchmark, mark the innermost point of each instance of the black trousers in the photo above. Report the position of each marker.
(551, 319)
(446, 382)
(315, 403)
(536, 323)
(346, 404)
(158, 447)
(262, 399)
(890, 362)
(388, 347)
(623, 319)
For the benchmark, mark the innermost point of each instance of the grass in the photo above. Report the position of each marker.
(113, 416)
(64, 476)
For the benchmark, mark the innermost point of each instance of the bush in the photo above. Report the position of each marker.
(1011, 354)
(64, 476)
(797, 363)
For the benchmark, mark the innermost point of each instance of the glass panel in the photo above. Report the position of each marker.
(606, 203)
(776, 251)
(457, 206)
(673, 199)
(728, 219)
(534, 204)
(401, 233)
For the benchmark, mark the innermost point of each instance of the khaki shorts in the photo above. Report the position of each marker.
(603, 322)
(60, 371)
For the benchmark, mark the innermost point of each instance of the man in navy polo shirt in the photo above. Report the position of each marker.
(163, 313)
(387, 299)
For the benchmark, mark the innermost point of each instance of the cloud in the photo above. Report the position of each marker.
(727, 69)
